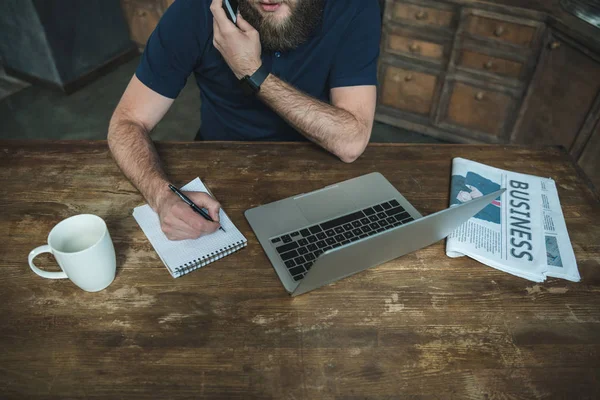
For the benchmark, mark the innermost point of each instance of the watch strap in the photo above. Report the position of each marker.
(251, 84)
(260, 75)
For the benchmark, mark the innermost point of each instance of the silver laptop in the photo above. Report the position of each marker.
(316, 238)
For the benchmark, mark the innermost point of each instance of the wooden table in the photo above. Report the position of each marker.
(422, 326)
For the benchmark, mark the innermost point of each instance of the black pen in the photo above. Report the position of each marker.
(191, 204)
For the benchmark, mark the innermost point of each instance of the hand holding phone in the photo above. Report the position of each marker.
(231, 9)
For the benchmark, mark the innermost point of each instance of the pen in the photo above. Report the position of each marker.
(192, 205)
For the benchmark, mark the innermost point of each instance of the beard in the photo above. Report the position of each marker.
(305, 18)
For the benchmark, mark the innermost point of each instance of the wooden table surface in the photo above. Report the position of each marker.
(422, 326)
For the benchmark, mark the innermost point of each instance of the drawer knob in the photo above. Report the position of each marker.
(408, 77)
(141, 13)
(414, 48)
(421, 15)
(488, 65)
(479, 96)
(554, 45)
(499, 31)
(396, 78)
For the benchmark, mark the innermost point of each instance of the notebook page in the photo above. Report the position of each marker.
(175, 254)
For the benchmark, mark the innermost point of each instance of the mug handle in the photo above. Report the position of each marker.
(44, 274)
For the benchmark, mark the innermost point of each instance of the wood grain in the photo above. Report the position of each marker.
(490, 64)
(566, 85)
(415, 48)
(415, 44)
(479, 109)
(422, 14)
(422, 326)
(408, 90)
(555, 99)
(500, 30)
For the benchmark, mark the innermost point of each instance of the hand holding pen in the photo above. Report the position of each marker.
(179, 221)
(192, 205)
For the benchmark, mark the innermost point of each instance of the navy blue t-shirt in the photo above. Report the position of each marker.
(342, 52)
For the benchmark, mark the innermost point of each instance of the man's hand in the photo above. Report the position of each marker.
(179, 222)
(239, 45)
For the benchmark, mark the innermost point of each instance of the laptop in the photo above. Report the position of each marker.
(317, 238)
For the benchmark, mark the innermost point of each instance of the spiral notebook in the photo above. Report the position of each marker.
(182, 257)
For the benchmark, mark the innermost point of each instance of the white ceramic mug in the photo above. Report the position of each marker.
(84, 251)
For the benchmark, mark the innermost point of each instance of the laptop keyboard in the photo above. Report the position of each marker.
(300, 249)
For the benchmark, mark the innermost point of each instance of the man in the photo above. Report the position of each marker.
(310, 66)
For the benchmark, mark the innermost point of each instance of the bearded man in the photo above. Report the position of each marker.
(288, 70)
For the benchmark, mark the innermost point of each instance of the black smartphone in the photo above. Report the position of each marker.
(231, 9)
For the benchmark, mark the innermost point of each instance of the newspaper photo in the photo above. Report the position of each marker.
(522, 232)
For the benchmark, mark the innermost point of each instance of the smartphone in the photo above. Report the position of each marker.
(231, 9)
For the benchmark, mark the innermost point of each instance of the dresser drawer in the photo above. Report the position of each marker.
(478, 109)
(495, 65)
(415, 48)
(408, 90)
(413, 44)
(423, 15)
(500, 30)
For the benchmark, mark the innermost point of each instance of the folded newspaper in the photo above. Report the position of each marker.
(522, 232)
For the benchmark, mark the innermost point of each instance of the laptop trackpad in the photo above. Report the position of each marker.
(325, 204)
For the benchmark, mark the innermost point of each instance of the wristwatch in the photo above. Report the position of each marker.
(251, 84)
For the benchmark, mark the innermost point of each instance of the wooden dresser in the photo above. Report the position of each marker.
(489, 72)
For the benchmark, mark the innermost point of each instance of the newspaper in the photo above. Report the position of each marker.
(522, 232)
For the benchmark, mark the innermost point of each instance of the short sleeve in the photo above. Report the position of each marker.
(356, 61)
(174, 48)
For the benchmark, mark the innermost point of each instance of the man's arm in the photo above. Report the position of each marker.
(343, 127)
(138, 112)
